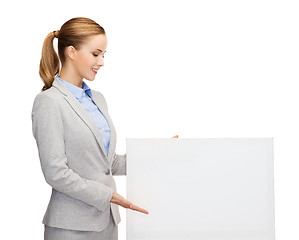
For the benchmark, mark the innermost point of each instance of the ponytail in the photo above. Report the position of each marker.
(49, 63)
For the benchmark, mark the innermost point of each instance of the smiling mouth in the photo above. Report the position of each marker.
(95, 70)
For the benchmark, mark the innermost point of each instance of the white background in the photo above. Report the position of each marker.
(193, 68)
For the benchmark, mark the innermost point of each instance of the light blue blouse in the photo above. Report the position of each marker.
(84, 96)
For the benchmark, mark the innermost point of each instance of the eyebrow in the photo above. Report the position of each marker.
(99, 50)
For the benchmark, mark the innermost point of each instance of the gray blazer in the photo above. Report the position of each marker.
(74, 161)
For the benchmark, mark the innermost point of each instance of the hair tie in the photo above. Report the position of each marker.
(54, 34)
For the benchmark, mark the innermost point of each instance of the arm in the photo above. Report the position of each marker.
(47, 127)
(119, 164)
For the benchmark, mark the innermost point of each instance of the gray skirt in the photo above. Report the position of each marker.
(109, 233)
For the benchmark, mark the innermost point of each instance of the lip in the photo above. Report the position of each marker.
(95, 72)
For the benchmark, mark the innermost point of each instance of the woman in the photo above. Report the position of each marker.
(76, 138)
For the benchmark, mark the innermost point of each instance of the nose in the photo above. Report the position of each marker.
(101, 61)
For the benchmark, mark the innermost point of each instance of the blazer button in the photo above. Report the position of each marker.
(107, 172)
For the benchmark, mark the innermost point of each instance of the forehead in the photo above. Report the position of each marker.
(98, 41)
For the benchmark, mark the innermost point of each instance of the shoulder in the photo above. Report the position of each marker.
(51, 95)
(46, 111)
(99, 97)
(97, 93)
(47, 100)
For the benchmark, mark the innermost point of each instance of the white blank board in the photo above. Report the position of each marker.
(206, 189)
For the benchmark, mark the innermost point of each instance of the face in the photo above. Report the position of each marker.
(90, 57)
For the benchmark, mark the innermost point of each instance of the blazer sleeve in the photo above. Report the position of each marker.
(119, 164)
(47, 127)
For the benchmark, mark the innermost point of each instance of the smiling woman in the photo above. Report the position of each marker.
(76, 138)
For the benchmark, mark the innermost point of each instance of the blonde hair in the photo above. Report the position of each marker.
(74, 32)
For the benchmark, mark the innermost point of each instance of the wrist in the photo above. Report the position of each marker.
(112, 197)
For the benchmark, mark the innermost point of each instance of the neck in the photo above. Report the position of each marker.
(70, 75)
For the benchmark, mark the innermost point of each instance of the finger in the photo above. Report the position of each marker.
(136, 208)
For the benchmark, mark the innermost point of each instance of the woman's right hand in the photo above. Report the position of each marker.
(121, 201)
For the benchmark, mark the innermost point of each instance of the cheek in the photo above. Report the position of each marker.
(84, 60)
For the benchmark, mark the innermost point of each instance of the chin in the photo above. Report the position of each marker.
(90, 78)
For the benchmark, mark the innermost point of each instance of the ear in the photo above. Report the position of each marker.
(71, 52)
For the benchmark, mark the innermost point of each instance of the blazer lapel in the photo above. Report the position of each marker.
(84, 115)
(112, 144)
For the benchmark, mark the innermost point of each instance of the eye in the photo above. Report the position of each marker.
(94, 54)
